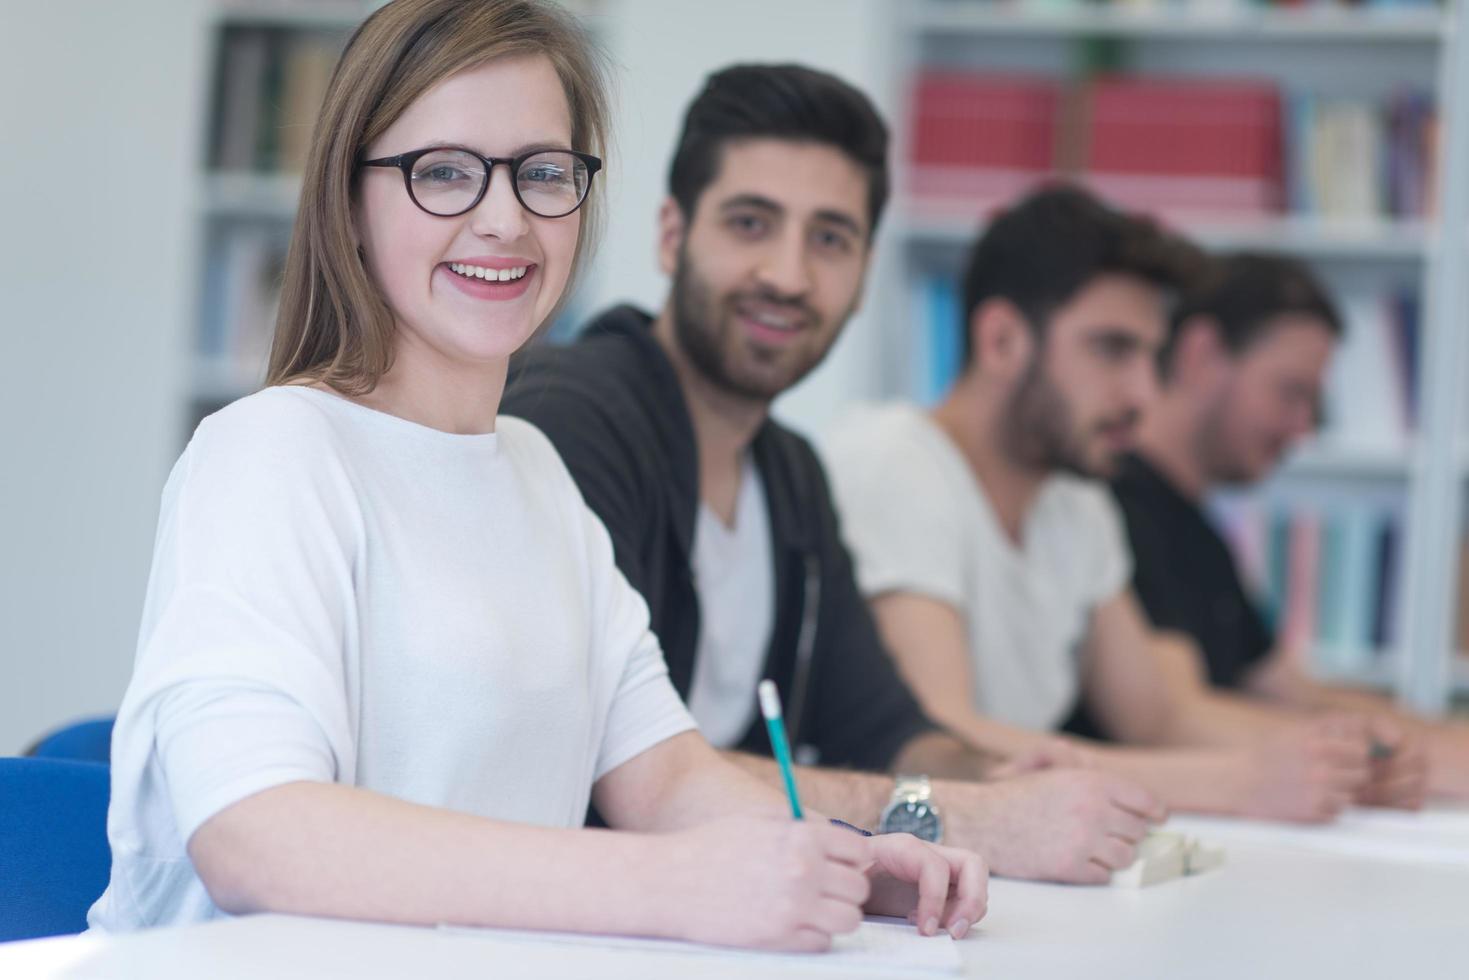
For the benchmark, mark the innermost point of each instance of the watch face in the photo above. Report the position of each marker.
(918, 819)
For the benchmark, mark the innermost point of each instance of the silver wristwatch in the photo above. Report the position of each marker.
(913, 811)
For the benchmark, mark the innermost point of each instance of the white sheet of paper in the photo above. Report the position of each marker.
(877, 944)
(1434, 836)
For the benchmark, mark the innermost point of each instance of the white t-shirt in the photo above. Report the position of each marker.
(340, 595)
(917, 520)
(734, 574)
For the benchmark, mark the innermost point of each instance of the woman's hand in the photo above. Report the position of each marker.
(935, 887)
(765, 882)
(793, 885)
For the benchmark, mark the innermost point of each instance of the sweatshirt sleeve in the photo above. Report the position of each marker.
(240, 681)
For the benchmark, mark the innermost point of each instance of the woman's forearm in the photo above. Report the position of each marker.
(330, 850)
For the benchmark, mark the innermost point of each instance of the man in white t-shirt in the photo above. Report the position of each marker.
(999, 571)
(920, 521)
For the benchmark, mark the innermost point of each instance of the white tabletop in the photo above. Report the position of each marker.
(1274, 910)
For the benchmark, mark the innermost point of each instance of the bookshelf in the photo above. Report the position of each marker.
(1379, 234)
(1324, 23)
(269, 63)
(1369, 239)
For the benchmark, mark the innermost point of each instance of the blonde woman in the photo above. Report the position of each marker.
(386, 658)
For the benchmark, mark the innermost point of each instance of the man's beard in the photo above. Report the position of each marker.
(703, 332)
(1211, 444)
(1039, 430)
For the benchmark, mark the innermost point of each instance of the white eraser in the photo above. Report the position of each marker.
(1160, 857)
(1200, 857)
(769, 699)
(1163, 856)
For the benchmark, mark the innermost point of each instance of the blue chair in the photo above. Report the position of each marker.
(54, 856)
(85, 741)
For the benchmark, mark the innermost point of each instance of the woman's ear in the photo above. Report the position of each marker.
(352, 229)
(671, 230)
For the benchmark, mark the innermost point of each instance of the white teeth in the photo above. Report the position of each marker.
(489, 275)
(769, 320)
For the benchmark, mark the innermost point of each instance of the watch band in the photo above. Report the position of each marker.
(913, 788)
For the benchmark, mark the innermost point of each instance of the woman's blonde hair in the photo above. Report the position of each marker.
(334, 325)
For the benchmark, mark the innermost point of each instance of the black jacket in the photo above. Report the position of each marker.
(612, 405)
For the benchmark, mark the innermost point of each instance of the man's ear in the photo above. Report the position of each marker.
(671, 230)
(1198, 351)
(1002, 339)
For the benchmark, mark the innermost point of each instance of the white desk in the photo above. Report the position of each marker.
(1439, 836)
(1271, 911)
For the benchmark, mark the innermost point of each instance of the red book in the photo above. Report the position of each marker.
(982, 138)
(1184, 145)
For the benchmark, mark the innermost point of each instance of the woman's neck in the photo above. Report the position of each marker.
(429, 389)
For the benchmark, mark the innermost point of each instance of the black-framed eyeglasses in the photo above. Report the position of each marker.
(449, 180)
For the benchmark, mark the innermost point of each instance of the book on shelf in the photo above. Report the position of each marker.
(306, 69)
(1330, 579)
(983, 137)
(1217, 149)
(936, 344)
(1203, 9)
(1361, 159)
(243, 55)
(1184, 145)
(270, 84)
(1372, 386)
(242, 281)
(1461, 616)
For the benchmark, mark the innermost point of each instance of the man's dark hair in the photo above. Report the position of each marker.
(785, 102)
(1044, 250)
(1244, 292)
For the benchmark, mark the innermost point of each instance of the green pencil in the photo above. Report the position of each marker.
(775, 725)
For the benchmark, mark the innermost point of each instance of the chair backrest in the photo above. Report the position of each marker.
(54, 856)
(84, 741)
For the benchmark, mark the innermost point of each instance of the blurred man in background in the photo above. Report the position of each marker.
(1242, 383)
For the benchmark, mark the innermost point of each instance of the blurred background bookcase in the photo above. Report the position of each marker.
(1319, 129)
(270, 61)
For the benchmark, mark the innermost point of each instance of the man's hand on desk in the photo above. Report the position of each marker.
(1310, 772)
(793, 885)
(1398, 760)
(1063, 825)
